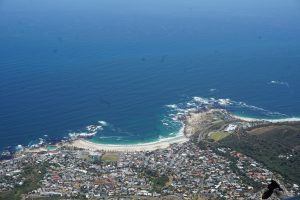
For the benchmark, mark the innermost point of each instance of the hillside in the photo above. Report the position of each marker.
(275, 145)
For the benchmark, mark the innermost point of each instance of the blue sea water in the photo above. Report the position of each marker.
(66, 64)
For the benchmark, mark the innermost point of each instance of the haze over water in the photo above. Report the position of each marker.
(66, 64)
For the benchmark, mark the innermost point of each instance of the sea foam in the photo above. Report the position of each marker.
(280, 83)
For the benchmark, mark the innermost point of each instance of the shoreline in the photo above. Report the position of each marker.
(163, 143)
(180, 137)
(150, 146)
(252, 119)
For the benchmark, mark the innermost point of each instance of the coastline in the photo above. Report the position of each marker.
(163, 143)
(252, 119)
(180, 137)
(151, 146)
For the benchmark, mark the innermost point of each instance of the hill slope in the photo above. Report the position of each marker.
(275, 145)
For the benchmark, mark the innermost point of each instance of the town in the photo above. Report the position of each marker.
(185, 171)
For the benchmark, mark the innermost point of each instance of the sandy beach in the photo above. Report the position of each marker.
(164, 143)
(249, 119)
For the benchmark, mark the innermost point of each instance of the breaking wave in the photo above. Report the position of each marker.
(91, 130)
(171, 122)
(280, 83)
(198, 104)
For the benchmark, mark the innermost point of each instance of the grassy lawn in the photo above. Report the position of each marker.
(217, 136)
(110, 157)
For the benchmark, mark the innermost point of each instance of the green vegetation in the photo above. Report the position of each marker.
(217, 136)
(271, 145)
(110, 157)
(32, 175)
(158, 181)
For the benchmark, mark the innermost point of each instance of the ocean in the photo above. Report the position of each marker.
(134, 65)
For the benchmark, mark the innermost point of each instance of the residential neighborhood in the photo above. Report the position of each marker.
(185, 170)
